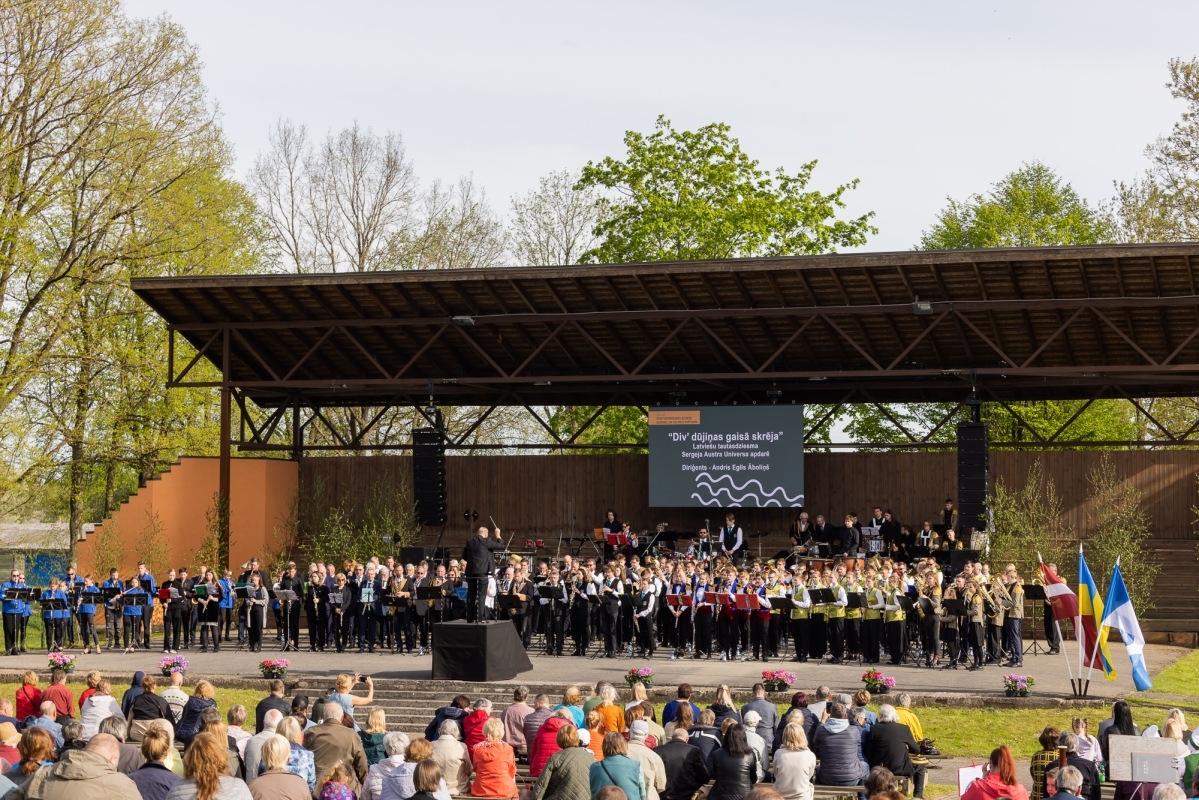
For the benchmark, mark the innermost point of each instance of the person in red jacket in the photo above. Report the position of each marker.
(545, 743)
(472, 725)
(998, 780)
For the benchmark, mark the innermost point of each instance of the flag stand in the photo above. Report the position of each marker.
(1080, 687)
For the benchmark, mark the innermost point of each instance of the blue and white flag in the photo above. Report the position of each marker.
(1118, 613)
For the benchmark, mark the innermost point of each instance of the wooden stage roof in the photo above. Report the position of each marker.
(1015, 324)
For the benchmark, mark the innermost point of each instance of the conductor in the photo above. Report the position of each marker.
(479, 566)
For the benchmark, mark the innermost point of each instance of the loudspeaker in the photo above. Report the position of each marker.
(972, 476)
(428, 476)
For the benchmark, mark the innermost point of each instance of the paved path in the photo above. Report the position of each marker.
(1050, 671)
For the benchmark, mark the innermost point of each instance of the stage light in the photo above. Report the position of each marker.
(463, 321)
(922, 307)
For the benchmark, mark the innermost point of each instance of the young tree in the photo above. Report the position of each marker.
(688, 195)
(1028, 522)
(1119, 529)
(555, 223)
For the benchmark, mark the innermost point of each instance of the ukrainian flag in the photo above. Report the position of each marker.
(1090, 608)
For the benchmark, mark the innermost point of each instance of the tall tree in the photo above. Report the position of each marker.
(1163, 204)
(555, 223)
(1030, 207)
(688, 195)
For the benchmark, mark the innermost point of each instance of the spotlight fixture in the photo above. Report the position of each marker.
(922, 307)
(463, 321)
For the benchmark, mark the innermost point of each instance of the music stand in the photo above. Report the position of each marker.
(822, 596)
(855, 600)
(679, 600)
(141, 599)
(1036, 595)
(429, 593)
(286, 597)
(509, 603)
(954, 606)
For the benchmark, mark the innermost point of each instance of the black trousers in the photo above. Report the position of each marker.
(645, 634)
(976, 642)
(338, 632)
(853, 636)
(995, 642)
(894, 631)
(580, 626)
(87, 630)
(757, 636)
(476, 598)
(610, 624)
(930, 637)
(555, 623)
(55, 632)
(950, 637)
(703, 633)
(872, 634)
(799, 638)
(172, 628)
(132, 625)
(12, 632)
(817, 642)
(1051, 637)
(836, 637)
(317, 626)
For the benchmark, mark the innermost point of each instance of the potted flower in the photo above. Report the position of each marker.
(778, 680)
(172, 664)
(878, 683)
(640, 675)
(63, 661)
(274, 667)
(1018, 685)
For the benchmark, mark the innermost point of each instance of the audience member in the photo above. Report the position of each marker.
(300, 761)
(472, 725)
(273, 700)
(566, 775)
(452, 757)
(427, 781)
(1091, 787)
(135, 688)
(99, 706)
(495, 764)
(206, 773)
(903, 710)
(175, 696)
(236, 717)
(685, 766)
(29, 697)
(572, 701)
(545, 743)
(683, 697)
(1068, 783)
(154, 779)
(734, 767)
(892, 746)
(706, 736)
(58, 693)
(794, 765)
(332, 743)
(47, 722)
(394, 745)
(145, 707)
(456, 711)
(1042, 760)
(252, 753)
(653, 771)
(10, 737)
(276, 782)
(535, 719)
(768, 715)
(999, 779)
(89, 774)
(372, 735)
(617, 769)
(838, 746)
(72, 736)
(189, 721)
(513, 718)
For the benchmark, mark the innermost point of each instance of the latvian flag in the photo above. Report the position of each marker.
(1063, 601)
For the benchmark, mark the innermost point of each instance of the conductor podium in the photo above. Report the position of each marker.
(486, 651)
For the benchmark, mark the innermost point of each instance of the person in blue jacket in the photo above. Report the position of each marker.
(26, 613)
(133, 615)
(72, 582)
(55, 620)
(146, 581)
(228, 600)
(13, 609)
(112, 610)
(87, 615)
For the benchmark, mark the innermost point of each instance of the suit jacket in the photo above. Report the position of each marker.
(686, 769)
(331, 742)
(1091, 788)
(891, 744)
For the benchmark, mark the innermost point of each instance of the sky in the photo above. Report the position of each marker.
(919, 100)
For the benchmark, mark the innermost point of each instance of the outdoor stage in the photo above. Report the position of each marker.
(1050, 671)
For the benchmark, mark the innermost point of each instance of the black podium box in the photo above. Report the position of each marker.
(466, 651)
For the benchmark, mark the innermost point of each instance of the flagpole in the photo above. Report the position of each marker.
(1058, 627)
(1078, 637)
(1098, 629)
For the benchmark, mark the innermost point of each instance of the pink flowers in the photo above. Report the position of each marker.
(640, 675)
(172, 664)
(62, 660)
(877, 682)
(1018, 684)
(274, 667)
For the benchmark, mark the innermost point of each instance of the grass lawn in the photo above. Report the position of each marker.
(224, 697)
(1181, 677)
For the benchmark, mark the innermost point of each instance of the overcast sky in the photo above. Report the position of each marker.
(920, 100)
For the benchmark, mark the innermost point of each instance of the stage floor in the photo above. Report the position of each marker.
(1050, 671)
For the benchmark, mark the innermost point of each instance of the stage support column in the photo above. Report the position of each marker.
(223, 506)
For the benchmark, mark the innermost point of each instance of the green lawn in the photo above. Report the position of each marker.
(224, 697)
(1181, 677)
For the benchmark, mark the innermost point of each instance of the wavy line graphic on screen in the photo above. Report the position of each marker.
(761, 497)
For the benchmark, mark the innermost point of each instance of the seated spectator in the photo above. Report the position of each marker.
(637, 714)
(145, 707)
(566, 776)
(154, 779)
(212, 722)
(273, 700)
(427, 781)
(1070, 787)
(612, 714)
(37, 750)
(656, 731)
(472, 726)
(908, 717)
(723, 706)
(861, 699)
(794, 765)
(131, 756)
(72, 737)
(252, 754)
(91, 681)
(683, 720)
(838, 746)
(29, 697)
(879, 781)
(999, 779)
(189, 722)
(456, 711)
(653, 771)
(800, 714)
(533, 722)
(637, 694)
(768, 717)
(335, 783)
(10, 737)
(454, 759)
(513, 719)
(89, 774)
(135, 688)
(706, 736)
(734, 767)
(394, 745)
(683, 697)
(372, 735)
(1042, 760)
(175, 696)
(404, 782)
(756, 742)
(236, 717)
(299, 711)
(1088, 745)
(300, 762)
(572, 700)
(331, 744)
(617, 769)
(595, 698)
(59, 694)
(595, 734)
(277, 782)
(6, 713)
(686, 768)
(47, 722)
(1091, 787)
(495, 764)
(99, 706)
(892, 746)
(206, 773)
